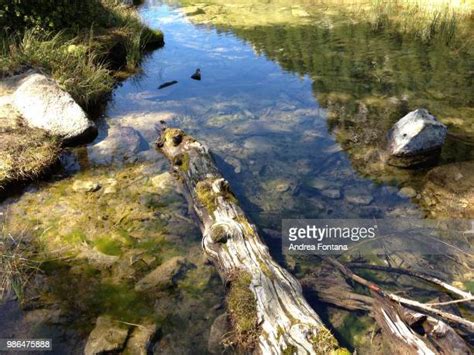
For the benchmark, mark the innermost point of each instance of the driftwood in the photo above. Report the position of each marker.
(267, 309)
(421, 275)
(423, 307)
(398, 323)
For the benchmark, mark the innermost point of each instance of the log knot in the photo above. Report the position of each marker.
(170, 137)
(223, 231)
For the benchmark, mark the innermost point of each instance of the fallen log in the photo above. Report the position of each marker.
(267, 310)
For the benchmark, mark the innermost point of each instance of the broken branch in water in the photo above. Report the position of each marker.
(398, 322)
(423, 276)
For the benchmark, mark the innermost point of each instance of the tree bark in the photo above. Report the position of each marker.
(282, 320)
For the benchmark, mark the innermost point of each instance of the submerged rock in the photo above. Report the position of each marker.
(415, 139)
(165, 275)
(331, 193)
(85, 186)
(449, 191)
(107, 336)
(121, 145)
(43, 104)
(358, 197)
(217, 334)
(140, 340)
(164, 183)
(407, 192)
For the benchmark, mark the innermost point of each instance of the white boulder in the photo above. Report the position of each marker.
(415, 138)
(43, 104)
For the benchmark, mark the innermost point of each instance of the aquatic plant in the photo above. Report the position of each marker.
(17, 263)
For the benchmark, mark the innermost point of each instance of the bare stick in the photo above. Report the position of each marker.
(405, 301)
(417, 274)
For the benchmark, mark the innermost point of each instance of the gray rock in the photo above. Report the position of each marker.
(165, 275)
(415, 138)
(407, 192)
(358, 197)
(235, 164)
(43, 104)
(85, 186)
(220, 327)
(331, 193)
(107, 336)
(319, 184)
(121, 145)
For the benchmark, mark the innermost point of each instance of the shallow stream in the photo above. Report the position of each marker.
(295, 112)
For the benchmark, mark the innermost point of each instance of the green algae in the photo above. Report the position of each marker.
(79, 232)
(108, 246)
(355, 328)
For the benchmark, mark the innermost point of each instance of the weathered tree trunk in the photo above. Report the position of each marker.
(265, 303)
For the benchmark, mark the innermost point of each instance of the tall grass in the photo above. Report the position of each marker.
(71, 62)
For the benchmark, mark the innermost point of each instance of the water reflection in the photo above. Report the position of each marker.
(262, 121)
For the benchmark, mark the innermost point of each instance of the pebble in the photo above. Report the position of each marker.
(358, 198)
(407, 192)
(85, 186)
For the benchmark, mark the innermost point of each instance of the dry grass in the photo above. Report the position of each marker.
(25, 153)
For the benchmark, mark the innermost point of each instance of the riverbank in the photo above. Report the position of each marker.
(86, 49)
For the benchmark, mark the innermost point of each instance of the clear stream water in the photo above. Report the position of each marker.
(293, 114)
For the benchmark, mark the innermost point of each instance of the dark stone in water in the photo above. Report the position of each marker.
(168, 83)
(196, 75)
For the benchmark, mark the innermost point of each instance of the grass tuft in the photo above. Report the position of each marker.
(428, 21)
(17, 264)
(25, 153)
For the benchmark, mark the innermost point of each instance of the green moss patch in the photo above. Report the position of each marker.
(108, 246)
(242, 309)
(205, 195)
